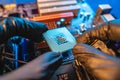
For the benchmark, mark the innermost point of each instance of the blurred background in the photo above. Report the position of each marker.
(93, 4)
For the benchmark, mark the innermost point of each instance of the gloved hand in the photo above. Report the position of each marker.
(11, 26)
(106, 31)
(102, 66)
(41, 68)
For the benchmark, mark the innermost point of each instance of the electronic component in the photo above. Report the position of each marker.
(58, 23)
(57, 3)
(70, 8)
(102, 9)
(50, 20)
(63, 23)
(59, 39)
(107, 17)
(57, 6)
(65, 72)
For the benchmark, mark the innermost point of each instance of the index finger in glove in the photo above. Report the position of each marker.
(84, 48)
(86, 53)
(102, 66)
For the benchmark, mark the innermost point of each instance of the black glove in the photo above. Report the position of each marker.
(41, 68)
(106, 31)
(19, 27)
(100, 65)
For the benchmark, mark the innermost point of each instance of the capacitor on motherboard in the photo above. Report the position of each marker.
(58, 23)
(82, 27)
(62, 20)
